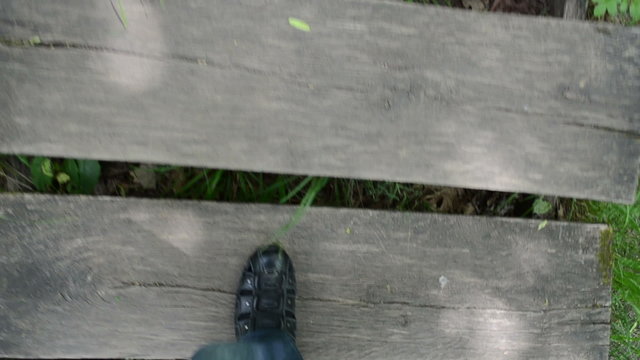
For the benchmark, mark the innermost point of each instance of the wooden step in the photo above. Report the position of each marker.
(375, 90)
(84, 277)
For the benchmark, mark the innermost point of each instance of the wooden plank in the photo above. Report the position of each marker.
(376, 90)
(575, 9)
(84, 277)
(569, 9)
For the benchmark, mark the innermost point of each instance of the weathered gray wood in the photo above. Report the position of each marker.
(569, 9)
(110, 278)
(575, 9)
(376, 90)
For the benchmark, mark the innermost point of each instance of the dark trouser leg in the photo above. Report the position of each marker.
(257, 345)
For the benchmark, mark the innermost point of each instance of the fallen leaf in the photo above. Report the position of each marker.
(299, 24)
(542, 224)
(145, 176)
(63, 178)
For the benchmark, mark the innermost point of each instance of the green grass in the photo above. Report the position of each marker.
(119, 179)
(625, 303)
(209, 184)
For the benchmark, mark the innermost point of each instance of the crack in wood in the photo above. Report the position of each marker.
(61, 45)
(356, 303)
(443, 307)
(628, 133)
(131, 284)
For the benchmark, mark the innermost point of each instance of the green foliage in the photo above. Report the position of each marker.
(314, 188)
(541, 206)
(233, 186)
(72, 176)
(63, 178)
(83, 175)
(615, 7)
(41, 173)
(634, 10)
(624, 220)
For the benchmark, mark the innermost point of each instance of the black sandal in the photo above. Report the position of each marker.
(266, 297)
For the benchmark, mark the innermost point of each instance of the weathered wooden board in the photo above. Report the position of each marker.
(85, 277)
(575, 9)
(376, 90)
(568, 9)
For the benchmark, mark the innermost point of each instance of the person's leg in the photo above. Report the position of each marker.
(270, 344)
(265, 320)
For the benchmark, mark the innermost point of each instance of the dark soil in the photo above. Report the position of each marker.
(526, 7)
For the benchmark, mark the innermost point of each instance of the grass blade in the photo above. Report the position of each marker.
(317, 184)
(296, 190)
(211, 187)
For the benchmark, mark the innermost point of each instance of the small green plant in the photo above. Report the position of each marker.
(541, 206)
(82, 176)
(41, 173)
(73, 176)
(616, 7)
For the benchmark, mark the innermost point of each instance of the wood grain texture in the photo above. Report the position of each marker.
(376, 90)
(84, 277)
(575, 9)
